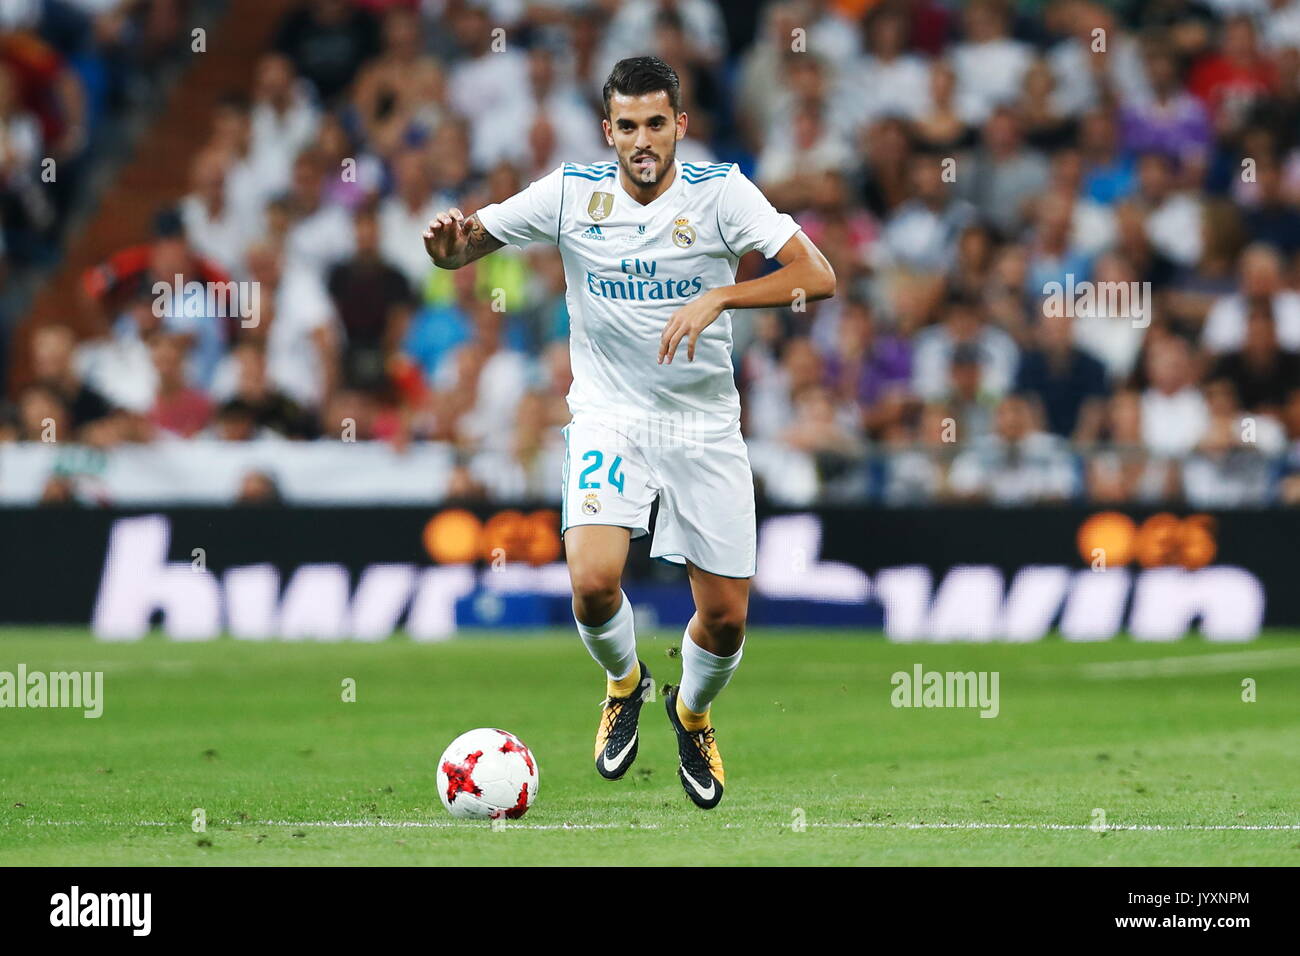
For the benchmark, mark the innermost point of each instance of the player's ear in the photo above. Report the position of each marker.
(681, 125)
(609, 132)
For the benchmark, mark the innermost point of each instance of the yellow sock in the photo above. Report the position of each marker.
(625, 686)
(691, 720)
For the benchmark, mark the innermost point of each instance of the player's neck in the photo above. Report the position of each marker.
(647, 194)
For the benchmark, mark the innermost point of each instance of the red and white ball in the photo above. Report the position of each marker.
(487, 774)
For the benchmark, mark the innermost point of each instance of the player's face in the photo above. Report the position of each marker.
(644, 132)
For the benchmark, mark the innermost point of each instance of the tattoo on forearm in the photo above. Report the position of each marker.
(478, 241)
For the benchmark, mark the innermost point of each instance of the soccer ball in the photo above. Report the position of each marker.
(487, 774)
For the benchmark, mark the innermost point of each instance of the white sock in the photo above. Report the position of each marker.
(613, 644)
(704, 674)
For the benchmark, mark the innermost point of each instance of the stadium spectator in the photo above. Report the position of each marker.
(1003, 175)
(401, 94)
(25, 211)
(1171, 122)
(966, 400)
(373, 301)
(775, 383)
(178, 409)
(327, 42)
(990, 64)
(1113, 328)
(438, 327)
(404, 214)
(216, 228)
(258, 489)
(297, 328)
(1229, 80)
(1055, 255)
(232, 137)
(321, 232)
(1174, 414)
(53, 369)
(963, 325)
(526, 469)
(947, 122)
(1272, 218)
(500, 377)
(1044, 114)
(868, 370)
(1098, 63)
(1123, 470)
(120, 366)
(273, 412)
(921, 233)
(1231, 465)
(235, 421)
(1067, 381)
(1017, 464)
(917, 469)
(1173, 218)
(1261, 277)
(888, 80)
(1261, 372)
(283, 121)
(784, 168)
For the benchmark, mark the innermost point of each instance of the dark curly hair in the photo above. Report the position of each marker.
(638, 75)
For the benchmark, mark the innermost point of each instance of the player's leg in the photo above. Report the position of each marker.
(711, 650)
(712, 644)
(706, 518)
(607, 501)
(596, 555)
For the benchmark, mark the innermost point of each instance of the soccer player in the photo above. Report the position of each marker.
(650, 247)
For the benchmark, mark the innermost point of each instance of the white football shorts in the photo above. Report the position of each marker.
(705, 492)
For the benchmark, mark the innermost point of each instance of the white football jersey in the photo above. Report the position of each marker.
(629, 267)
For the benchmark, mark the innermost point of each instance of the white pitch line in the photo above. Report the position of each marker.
(1192, 664)
(846, 825)
(1193, 827)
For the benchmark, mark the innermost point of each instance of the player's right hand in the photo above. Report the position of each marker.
(443, 235)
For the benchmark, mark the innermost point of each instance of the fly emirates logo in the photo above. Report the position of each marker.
(639, 281)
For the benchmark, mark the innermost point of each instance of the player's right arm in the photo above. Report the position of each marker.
(532, 215)
(453, 240)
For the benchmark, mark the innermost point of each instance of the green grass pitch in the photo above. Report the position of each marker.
(286, 772)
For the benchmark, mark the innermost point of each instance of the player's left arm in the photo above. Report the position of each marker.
(804, 272)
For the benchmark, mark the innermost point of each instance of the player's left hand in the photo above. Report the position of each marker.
(687, 323)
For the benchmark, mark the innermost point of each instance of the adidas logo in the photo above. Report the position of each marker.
(593, 232)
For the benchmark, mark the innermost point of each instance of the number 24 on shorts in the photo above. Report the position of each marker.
(615, 476)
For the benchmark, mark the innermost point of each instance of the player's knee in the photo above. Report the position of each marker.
(595, 594)
(725, 625)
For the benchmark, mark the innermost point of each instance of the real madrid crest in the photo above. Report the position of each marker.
(591, 504)
(600, 205)
(683, 233)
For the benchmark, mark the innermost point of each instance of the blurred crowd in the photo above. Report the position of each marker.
(67, 69)
(958, 163)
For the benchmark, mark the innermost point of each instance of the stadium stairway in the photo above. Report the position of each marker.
(155, 174)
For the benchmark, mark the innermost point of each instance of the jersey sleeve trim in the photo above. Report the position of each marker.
(722, 233)
(559, 211)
